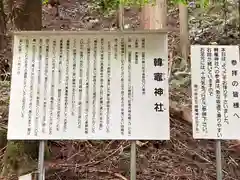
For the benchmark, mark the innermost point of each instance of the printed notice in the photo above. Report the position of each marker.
(215, 92)
(89, 86)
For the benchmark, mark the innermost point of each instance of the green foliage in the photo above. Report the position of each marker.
(44, 1)
(201, 3)
(113, 4)
(106, 6)
(110, 6)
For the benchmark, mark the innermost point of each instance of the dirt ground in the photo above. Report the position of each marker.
(181, 158)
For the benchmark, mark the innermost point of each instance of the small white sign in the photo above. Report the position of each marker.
(26, 177)
(95, 85)
(215, 92)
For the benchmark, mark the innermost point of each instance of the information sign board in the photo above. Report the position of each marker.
(215, 92)
(97, 85)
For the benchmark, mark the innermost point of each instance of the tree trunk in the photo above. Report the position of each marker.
(26, 14)
(21, 156)
(2, 26)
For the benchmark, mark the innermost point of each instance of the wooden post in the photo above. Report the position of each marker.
(120, 16)
(184, 36)
(154, 16)
(120, 19)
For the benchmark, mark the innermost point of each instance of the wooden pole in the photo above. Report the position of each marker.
(154, 16)
(133, 171)
(184, 35)
(120, 16)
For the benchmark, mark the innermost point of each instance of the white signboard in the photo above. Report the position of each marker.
(26, 177)
(98, 85)
(215, 92)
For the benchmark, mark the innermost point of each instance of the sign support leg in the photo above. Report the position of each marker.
(219, 160)
(41, 160)
(133, 160)
(133, 143)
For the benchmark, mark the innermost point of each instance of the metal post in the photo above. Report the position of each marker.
(219, 160)
(41, 161)
(133, 160)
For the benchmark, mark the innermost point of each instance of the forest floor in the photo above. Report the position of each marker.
(181, 158)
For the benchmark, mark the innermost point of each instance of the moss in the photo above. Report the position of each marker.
(47, 153)
(30, 148)
(21, 157)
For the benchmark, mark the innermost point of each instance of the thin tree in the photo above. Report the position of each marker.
(2, 25)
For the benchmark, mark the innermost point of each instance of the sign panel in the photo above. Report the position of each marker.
(215, 92)
(26, 177)
(89, 86)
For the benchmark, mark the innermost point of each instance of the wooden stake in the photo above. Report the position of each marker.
(184, 36)
(133, 143)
